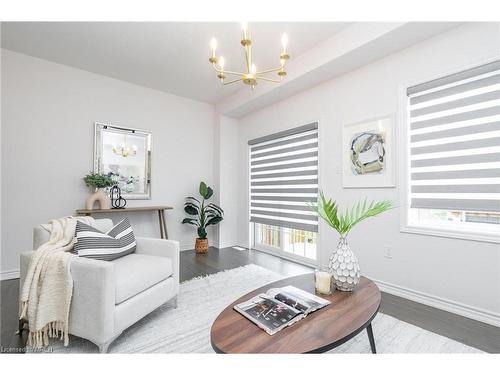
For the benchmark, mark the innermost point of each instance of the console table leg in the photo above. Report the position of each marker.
(369, 330)
(160, 219)
(164, 224)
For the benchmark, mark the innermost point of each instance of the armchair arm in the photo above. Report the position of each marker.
(161, 248)
(93, 302)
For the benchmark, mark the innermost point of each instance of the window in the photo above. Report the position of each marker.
(289, 242)
(454, 153)
(283, 181)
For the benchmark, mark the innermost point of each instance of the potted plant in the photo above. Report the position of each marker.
(99, 182)
(343, 264)
(202, 214)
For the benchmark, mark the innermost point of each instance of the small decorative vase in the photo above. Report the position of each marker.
(99, 196)
(201, 245)
(344, 267)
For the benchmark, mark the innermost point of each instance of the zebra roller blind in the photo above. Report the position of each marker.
(455, 141)
(284, 178)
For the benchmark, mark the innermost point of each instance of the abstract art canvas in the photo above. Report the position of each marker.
(368, 154)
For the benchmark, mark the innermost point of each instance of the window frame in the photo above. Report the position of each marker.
(403, 164)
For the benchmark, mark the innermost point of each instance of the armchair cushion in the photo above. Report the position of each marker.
(135, 273)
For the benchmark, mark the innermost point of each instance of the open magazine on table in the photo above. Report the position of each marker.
(280, 307)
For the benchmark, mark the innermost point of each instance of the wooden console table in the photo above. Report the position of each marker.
(159, 209)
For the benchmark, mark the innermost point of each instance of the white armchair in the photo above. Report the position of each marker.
(109, 297)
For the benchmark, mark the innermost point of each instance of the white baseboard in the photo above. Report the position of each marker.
(183, 246)
(10, 274)
(454, 307)
(221, 245)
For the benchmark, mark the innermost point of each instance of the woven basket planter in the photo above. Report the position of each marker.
(201, 246)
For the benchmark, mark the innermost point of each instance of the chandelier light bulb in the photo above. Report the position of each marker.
(253, 69)
(221, 62)
(213, 44)
(284, 41)
(244, 30)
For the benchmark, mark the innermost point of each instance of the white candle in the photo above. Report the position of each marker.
(213, 44)
(244, 29)
(284, 42)
(323, 282)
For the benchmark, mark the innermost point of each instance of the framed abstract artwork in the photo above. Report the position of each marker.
(125, 155)
(368, 154)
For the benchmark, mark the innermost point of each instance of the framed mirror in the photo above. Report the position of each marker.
(124, 154)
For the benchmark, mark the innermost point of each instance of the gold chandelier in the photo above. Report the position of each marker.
(251, 75)
(124, 149)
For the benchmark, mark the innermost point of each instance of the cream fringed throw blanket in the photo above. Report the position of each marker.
(48, 287)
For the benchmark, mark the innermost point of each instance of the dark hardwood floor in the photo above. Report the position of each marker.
(193, 265)
(470, 332)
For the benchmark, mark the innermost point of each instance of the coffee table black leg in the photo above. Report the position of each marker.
(370, 338)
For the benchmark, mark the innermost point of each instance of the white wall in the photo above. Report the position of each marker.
(226, 171)
(463, 274)
(48, 112)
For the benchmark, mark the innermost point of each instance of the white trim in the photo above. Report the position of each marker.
(224, 244)
(403, 166)
(443, 232)
(184, 246)
(482, 315)
(9, 275)
(288, 256)
(189, 245)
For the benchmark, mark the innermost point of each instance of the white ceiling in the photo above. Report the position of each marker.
(167, 56)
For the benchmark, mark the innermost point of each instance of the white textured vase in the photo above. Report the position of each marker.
(344, 267)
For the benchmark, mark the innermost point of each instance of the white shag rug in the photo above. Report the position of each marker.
(186, 329)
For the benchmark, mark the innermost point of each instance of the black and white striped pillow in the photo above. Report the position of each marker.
(92, 243)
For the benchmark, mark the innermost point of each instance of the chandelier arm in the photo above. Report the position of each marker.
(230, 72)
(268, 79)
(233, 81)
(226, 71)
(270, 70)
(248, 57)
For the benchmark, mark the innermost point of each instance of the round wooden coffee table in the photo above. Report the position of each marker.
(347, 315)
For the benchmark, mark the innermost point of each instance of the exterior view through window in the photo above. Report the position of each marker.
(290, 241)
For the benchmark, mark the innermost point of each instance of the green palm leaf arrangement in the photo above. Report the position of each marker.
(343, 222)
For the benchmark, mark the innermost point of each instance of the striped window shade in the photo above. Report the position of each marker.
(455, 141)
(284, 178)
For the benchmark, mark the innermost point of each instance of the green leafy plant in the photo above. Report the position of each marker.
(202, 214)
(329, 211)
(98, 180)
